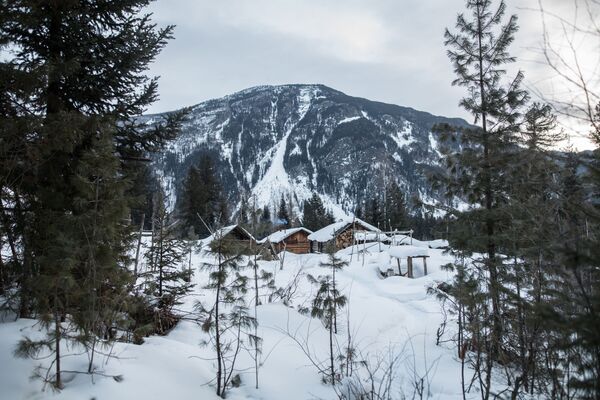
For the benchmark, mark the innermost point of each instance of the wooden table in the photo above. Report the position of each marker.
(409, 262)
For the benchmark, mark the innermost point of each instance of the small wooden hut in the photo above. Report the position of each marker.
(294, 240)
(233, 236)
(340, 234)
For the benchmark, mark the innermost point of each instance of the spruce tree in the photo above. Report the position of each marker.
(265, 216)
(326, 303)
(170, 277)
(143, 188)
(478, 171)
(527, 244)
(76, 84)
(265, 225)
(397, 217)
(264, 280)
(202, 198)
(587, 319)
(283, 215)
(244, 213)
(359, 211)
(374, 212)
(227, 319)
(315, 216)
(573, 299)
(194, 198)
(479, 163)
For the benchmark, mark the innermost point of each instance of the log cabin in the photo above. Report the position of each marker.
(294, 240)
(339, 234)
(234, 236)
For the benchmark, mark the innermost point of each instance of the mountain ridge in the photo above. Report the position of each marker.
(295, 139)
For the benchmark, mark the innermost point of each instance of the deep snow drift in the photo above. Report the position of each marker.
(393, 317)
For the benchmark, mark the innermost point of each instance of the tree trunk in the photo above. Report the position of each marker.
(334, 305)
(217, 327)
(58, 381)
(488, 194)
(331, 349)
(256, 303)
(160, 258)
(461, 346)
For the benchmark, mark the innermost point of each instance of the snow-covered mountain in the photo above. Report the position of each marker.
(296, 139)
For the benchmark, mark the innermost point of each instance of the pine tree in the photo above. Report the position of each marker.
(227, 319)
(76, 84)
(479, 164)
(326, 303)
(264, 280)
(264, 225)
(396, 208)
(143, 187)
(171, 279)
(265, 216)
(202, 199)
(527, 245)
(374, 212)
(479, 51)
(243, 215)
(315, 216)
(572, 299)
(283, 215)
(194, 200)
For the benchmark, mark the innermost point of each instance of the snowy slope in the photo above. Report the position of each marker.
(386, 317)
(293, 140)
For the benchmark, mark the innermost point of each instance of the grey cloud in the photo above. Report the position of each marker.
(385, 50)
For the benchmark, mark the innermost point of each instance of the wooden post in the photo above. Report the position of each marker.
(399, 267)
(364, 250)
(425, 265)
(410, 266)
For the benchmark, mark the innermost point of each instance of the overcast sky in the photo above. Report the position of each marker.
(384, 50)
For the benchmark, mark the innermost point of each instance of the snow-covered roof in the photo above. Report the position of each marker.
(407, 251)
(330, 231)
(277, 237)
(368, 236)
(224, 232)
(438, 244)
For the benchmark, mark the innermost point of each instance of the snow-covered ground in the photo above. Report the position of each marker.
(386, 317)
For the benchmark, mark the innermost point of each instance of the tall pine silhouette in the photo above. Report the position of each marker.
(72, 88)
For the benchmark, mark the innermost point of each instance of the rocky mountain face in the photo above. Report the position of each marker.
(291, 140)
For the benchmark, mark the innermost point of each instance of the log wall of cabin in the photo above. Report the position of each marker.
(297, 243)
(344, 238)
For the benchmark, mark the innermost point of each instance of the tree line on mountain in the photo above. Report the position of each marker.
(202, 204)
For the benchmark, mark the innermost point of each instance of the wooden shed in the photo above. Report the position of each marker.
(233, 235)
(294, 240)
(339, 234)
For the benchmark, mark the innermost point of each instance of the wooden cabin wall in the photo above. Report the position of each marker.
(297, 243)
(344, 239)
